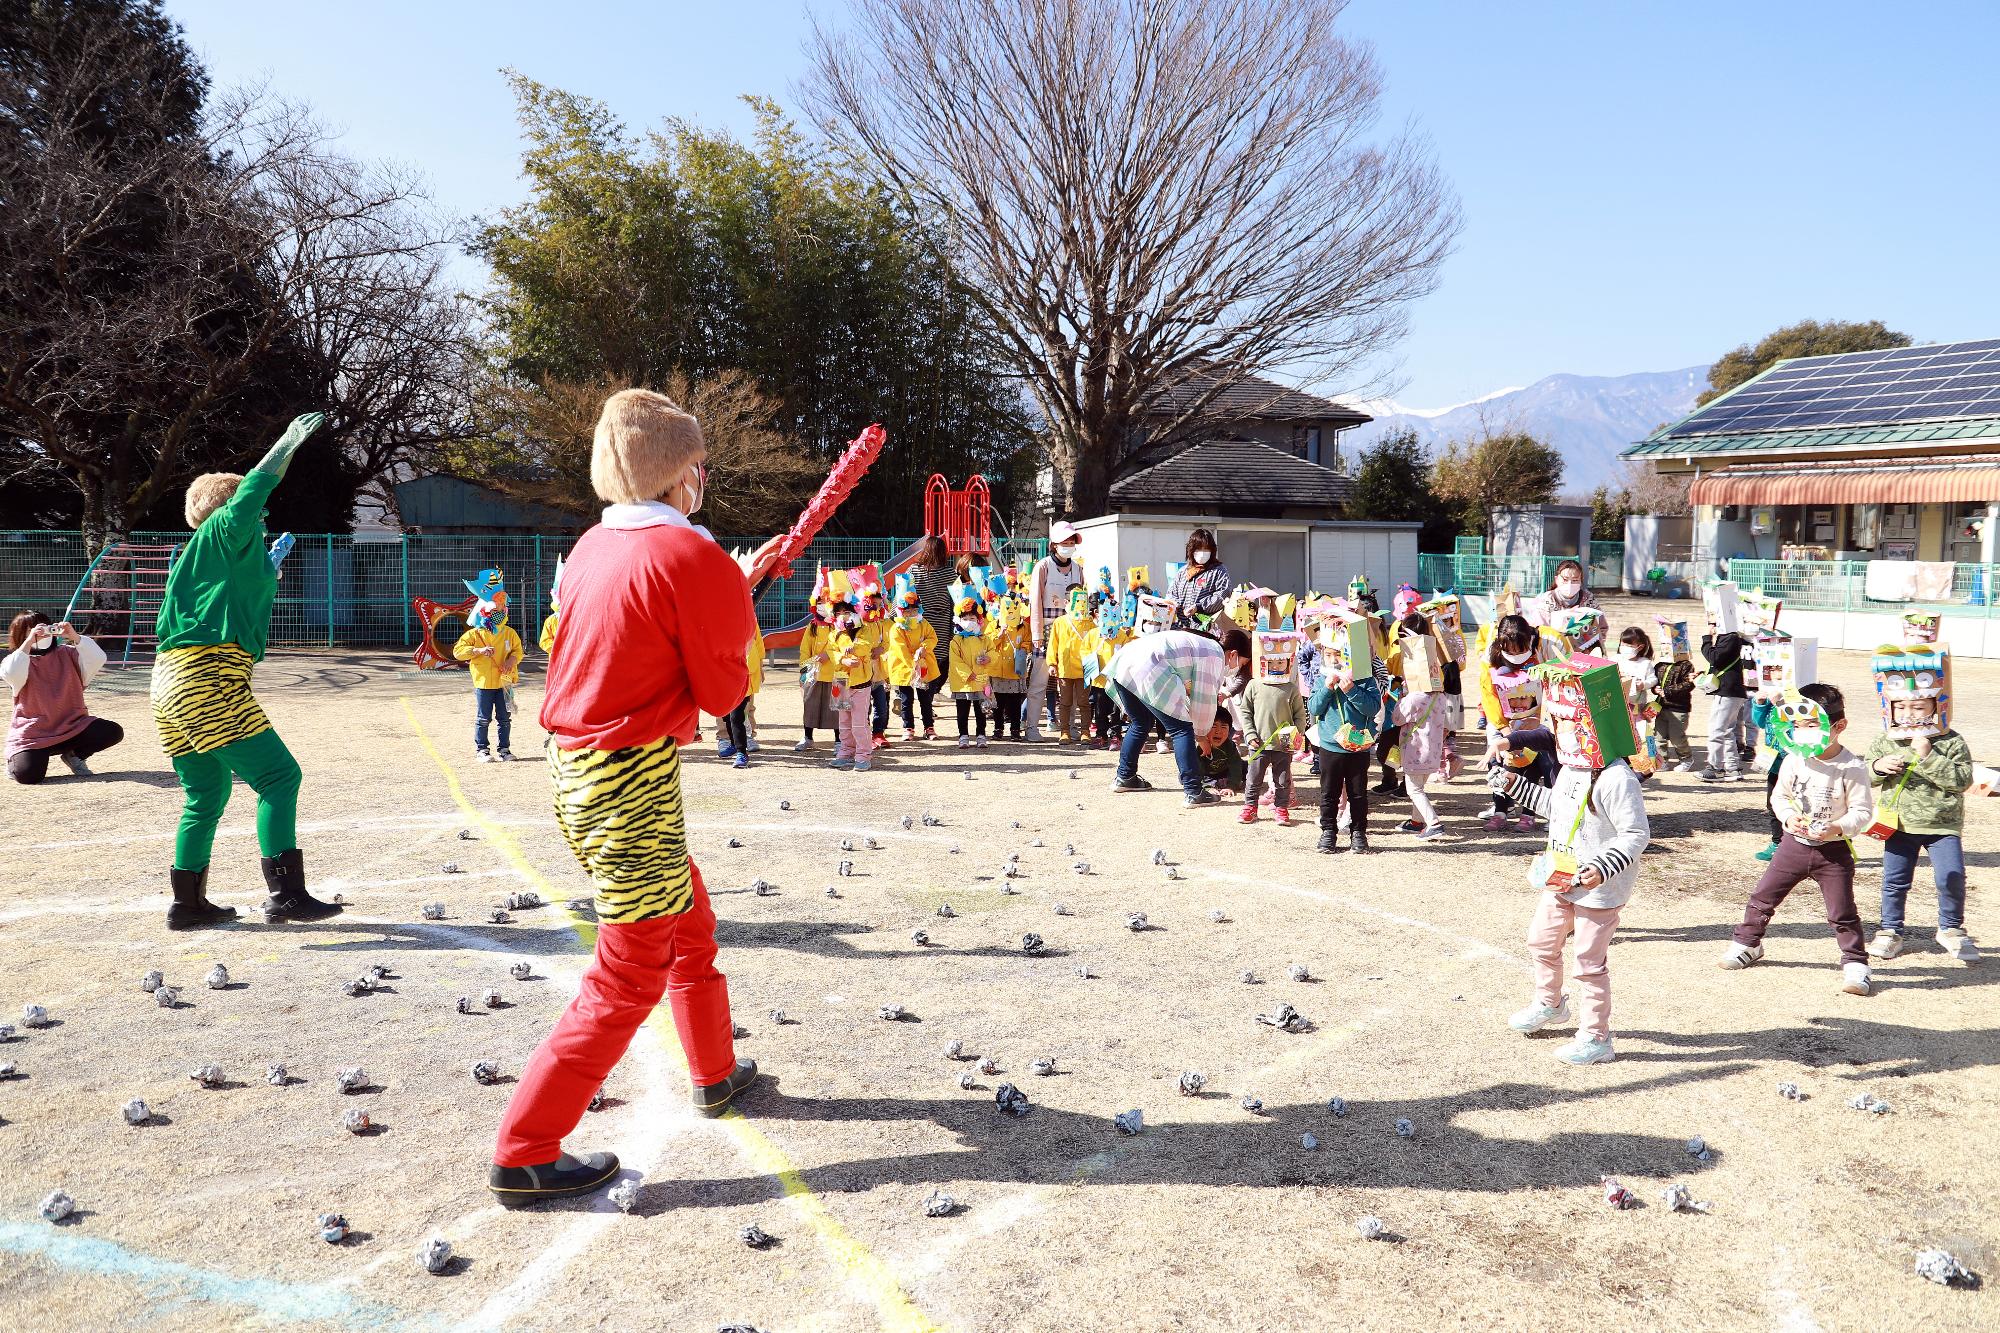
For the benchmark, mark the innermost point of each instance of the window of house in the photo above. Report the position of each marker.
(1311, 455)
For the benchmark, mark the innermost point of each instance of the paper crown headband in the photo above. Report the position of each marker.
(1800, 726)
(965, 598)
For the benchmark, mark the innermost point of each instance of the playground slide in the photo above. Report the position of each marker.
(788, 636)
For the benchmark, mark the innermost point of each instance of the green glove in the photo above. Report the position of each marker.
(280, 456)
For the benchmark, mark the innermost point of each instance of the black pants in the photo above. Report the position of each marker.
(31, 766)
(1385, 743)
(1771, 785)
(1103, 713)
(1343, 770)
(1009, 711)
(919, 698)
(737, 725)
(970, 710)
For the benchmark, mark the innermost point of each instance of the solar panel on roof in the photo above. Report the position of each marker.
(1937, 383)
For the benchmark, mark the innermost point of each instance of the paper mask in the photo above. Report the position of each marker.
(1914, 685)
(1783, 664)
(1584, 628)
(1079, 602)
(1759, 612)
(490, 587)
(1407, 600)
(906, 594)
(1919, 628)
(1584, 697)
(1274, 656)
(1800, 726)
(1675, 646)
(1423, 664)
(1138, 577)
(1442, 610)
(1724, 609)
(1346, 642)
(1154, 614)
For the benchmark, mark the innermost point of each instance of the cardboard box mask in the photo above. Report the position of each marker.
(1914, 685)
(1274, 656)
(1675, 645)
(1346, 642)
(1442, 611)
(1423, 664)
(1584, 698)
(1782, 665)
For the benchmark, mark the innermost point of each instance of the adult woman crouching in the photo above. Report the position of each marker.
(47, 667)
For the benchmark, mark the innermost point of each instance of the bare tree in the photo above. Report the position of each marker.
(1144, 192)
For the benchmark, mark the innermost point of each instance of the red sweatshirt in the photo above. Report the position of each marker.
(656, 621)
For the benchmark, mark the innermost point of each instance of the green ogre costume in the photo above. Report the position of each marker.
(214, 618)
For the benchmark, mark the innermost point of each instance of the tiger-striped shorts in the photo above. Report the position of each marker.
(620, 811)
(202, 699)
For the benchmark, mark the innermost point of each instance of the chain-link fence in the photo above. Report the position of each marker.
(339, 590)
(1842, 585)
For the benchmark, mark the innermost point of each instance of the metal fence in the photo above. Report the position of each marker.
(1484, 575)
(339, 591)
(1842, 585)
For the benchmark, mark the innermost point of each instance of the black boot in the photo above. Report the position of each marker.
(712, 1099)
(518, 1186)
(1360, 839)
(285, 877)
(192, 910)
(1329, 841)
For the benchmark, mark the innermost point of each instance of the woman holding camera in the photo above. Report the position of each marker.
(46, 668)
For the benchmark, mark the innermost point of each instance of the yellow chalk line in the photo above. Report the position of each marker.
(897, 1311)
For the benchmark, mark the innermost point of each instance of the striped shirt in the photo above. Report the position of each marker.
(1199, 591)
(1174, 673)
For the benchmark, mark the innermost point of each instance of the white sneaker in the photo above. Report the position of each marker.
(1739, 956)
(802, 747)
(77, 767)
(979, 742)
(1538, 1016)
(965, 742)
(1585, 1051)
(1684, 766)
(485, 758)
(504, 757)
(1958, 944)
(753, 747)
(1887, 944)
(1855, 979)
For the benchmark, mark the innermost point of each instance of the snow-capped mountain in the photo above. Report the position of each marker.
(1588, 418)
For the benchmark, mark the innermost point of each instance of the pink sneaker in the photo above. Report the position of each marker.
(1284, 816)
(1249, 815)
(1495, 823)
(1526, 823)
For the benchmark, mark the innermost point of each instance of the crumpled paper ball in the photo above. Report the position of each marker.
(1073, 775)
(1159, 856)
(1675, 1198)
(1011, 870)
(498, 916)
(1939, 1266)
(891, 1013)
(930, 820)
(485, 1072)
(597, 1099)
(906, 823)
(967, 775)
(872, 843)
(754, 1236)
(352, 1078)
(1404, 1129)
(435, 1254)
(832, 892)
(432, 911)
(6, 1032)
(450, 868)
(217, 978)
(1031, 943)
(844, 869)
(277, 1075)
(1042, 1067)
(625, 1194)
(1697, 1148)
(137, 1112)
(1247, 977)
(465, 1004)
(737, 1031)
(1298, 972)
(1870, 1103)
(1069, 849)
(376, 972)
(332, 1227)
(1309, 1141)
(1010, 1099)
(150, 982)
(522, 901)
(1129, 1122)
(355, 1121)
(955, 1050)
(779, 1018)
(1081, 867)
(847, 844)
(520, 971)
(990, 1065)
(1217, 915)
(784, 805)
(1284, 1018)
(920, 937)
(34, 1016)
(209, 1076)
(166, 996)
(57, 1206)
(1034, 842)
(953, 849)
(1790, 1092)
(764, 888)
(1616, 1195)
(490, 998)
(732, 842)
(945, 911)
(1369, 1227)
(1192, 1083)
(1337, 1107)
(1083, 971)
(1136, 921)
(1062, 909)
(939, 1204)
(358, 986)
(1007, 887)
(968, 1082)
(1254, 1105)
(467, 835)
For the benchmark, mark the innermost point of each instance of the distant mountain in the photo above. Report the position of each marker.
(1588, 418)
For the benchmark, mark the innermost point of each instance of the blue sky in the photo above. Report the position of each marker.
(1645, 185)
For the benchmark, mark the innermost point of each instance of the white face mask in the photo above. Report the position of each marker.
(1629, 651)
(1201, 557)
(967, 625)
(1518, 659)
(1568, 587)
(1062, 553)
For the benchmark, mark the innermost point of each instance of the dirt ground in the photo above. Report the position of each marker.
(1213, 1217)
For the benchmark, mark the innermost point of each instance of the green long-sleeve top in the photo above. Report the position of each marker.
(1932, 799)
(222, 584)
(1265, 710)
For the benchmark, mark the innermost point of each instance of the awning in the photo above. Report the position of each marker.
(1853, 481)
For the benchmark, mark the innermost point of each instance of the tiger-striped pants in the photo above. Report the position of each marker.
(620, 811)
(212, 729)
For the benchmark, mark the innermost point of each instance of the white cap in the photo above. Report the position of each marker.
(1060, 532)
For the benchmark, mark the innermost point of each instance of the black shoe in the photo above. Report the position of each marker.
(519, 1186)
(1386, 787)
(1131, 784)
(1329, 841)
(1360, 839)
(191, 908)
(1200, 799)
(712, 1099)
(285, 877)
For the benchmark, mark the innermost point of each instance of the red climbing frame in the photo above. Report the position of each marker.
(963, 518)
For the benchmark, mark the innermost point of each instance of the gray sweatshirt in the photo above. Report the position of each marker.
(1607, 810)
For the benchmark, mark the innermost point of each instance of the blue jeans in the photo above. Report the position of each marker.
(1899, 867)
(1179, 734)
(879, 709)
(492, 703)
